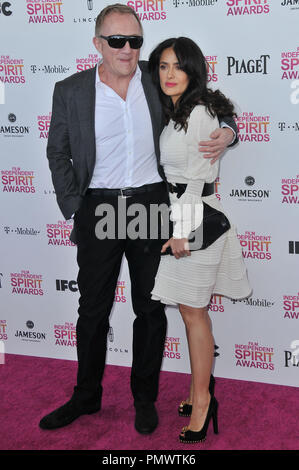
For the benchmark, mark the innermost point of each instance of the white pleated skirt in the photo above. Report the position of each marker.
(192, 280)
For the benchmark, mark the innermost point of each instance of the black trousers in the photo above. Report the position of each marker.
(99, 262)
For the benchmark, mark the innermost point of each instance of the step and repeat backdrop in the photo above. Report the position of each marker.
(252, 51)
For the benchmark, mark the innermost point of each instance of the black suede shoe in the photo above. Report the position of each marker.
(65, 415)
(146, 419)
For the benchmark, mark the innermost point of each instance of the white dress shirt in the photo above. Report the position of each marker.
(125, 153)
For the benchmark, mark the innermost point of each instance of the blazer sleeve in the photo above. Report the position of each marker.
(60, 158)
(230, 122)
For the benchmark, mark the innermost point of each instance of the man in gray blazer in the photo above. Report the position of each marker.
(104, 145)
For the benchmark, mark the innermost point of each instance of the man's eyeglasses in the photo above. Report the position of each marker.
(118, 41)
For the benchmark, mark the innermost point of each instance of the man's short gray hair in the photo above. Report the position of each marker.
(115, 8)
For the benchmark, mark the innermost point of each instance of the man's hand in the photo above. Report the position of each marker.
(178, 246)
(214, 148)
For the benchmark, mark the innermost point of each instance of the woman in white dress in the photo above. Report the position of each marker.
(187, 278)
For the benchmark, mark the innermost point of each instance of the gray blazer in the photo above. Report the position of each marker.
(71, 147)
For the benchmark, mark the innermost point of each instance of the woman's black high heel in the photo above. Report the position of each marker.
(192, 437)
(185, 409)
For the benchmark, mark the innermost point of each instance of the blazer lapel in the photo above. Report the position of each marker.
(85, 102)
(155, 110)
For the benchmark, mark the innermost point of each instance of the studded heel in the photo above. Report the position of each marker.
(192, 437)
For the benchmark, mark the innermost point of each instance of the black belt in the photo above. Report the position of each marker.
(125, 192)
(180, 188)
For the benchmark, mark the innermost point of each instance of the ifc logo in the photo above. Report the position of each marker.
(4, 8)
(249, 180)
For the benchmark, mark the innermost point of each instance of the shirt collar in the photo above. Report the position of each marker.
(137, 74)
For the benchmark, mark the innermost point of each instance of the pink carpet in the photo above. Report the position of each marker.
(252, 416)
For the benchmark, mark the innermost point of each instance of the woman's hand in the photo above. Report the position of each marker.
(178, 246)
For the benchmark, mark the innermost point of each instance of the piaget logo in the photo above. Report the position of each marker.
(291, 356)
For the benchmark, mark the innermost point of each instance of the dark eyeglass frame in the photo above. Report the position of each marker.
(118, 41)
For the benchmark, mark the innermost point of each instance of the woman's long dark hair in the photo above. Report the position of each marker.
(192, 61)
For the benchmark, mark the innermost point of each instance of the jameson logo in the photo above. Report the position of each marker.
(252, 355)
(250, 195)
(294, 4)
(12, 129)
(29, 334)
